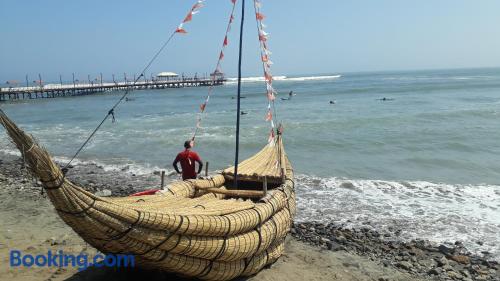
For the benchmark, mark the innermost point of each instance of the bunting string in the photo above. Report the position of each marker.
(189, 17)
(194, 10)
(266, 65)
(216, 72)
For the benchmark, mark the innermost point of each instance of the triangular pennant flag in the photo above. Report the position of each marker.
(259, 16)
(180, 30)
(269, 115)
(280, 129)
(189, 17)
(271, 136)
(225, 41)
(231, 19)
(268, 77)
(265, 58)
(221, 56)
(197, 6)
(233, 1)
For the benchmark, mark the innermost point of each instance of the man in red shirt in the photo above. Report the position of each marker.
(188, 159)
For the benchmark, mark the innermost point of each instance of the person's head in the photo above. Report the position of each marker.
(187, 144)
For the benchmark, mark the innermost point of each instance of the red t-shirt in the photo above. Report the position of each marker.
(188, 159)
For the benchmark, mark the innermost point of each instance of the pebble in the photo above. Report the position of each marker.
(460, 259)
(404, 265)
(103, 193)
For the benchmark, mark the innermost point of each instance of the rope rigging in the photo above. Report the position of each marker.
(194, 9)
(264, 53)
(266, 65)
(214, 74)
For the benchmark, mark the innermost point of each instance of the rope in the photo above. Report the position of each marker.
(217, 68)
(260, 29)
(127, 91)
(239, 97)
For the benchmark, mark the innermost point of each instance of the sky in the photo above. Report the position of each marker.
(306, 37)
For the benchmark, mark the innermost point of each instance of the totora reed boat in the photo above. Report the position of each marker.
(231, 224)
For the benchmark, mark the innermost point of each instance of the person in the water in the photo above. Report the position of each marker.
(188, 159)
(332, 102)
(290, 95)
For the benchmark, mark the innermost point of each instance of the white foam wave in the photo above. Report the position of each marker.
(120, 165)
(436, 211)
(283, 78)
(308, 78)
(438, 78)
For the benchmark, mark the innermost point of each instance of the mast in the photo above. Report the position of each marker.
(239, 97)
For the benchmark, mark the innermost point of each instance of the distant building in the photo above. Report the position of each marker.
(166, 76)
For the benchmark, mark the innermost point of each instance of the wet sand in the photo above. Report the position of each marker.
(30, 224)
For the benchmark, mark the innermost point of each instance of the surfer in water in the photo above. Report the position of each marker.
(332, 102)
(385, 99)
(290, 95)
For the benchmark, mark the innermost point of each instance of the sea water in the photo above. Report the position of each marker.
(425, 160)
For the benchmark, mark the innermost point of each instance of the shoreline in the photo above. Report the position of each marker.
(314, 251)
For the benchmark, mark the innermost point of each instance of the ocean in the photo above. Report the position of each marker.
(425, 160)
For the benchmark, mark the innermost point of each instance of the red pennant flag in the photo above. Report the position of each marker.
(262, 38)
(268, 77)
(231, 19)
(181, 30)
(233, 1)
(265, 58)
(270, 96)
(202, 106)
(271, 136)
(225, 41)
(259, 16)
(269, 116)
(197, 6)
(221, 56)
(189, 17)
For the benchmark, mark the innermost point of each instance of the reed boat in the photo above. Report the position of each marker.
(230, 224)
(198, 228)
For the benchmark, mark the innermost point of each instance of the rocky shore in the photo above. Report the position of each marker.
(335, 252)
(417, 257)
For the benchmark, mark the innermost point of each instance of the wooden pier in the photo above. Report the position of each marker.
(65, 90)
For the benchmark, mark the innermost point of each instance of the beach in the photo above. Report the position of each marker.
(314, 251)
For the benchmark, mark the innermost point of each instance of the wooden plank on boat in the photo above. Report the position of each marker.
(236, 192)
(264, 186)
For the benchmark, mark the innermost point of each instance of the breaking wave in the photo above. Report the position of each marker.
(283, 78)
(438, 212)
